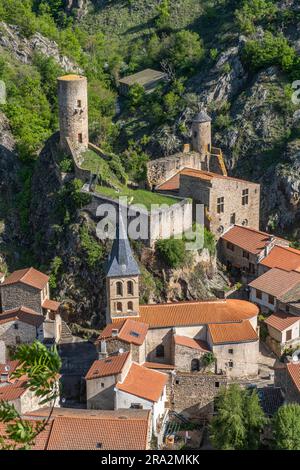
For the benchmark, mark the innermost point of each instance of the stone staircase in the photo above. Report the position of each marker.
(66, 334)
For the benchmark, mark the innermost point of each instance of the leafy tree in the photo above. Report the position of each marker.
(239, 420)
(253, 11)
(164, 13)
(185, 50)
(208, 359)
(172, 251)
(135, 96)
(286, 427)
(41, 366)
(92, 248)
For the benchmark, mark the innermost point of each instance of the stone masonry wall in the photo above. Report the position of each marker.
(26, 333)
(161, 169)
(192, 394)
(17, 295)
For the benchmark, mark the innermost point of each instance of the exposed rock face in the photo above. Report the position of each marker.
(224, 81)
(79, 5)
(23, 49)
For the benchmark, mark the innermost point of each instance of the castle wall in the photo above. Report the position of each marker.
(161, 169)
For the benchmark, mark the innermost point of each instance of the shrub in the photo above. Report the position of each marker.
(172, 251)
(253, 11)
(91, 247)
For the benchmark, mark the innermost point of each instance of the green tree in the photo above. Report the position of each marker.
(163, 20)
(135, 96)
(41, 366)
(172, 251)
(286, 427)
(253, 11)
(185, 50)
(239, 420)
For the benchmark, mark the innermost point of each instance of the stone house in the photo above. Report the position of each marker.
(17, 326)
(243, 248)
(283, 332)
(102, 378)
(282, 257)
(287, 377)
(14, 390)
(28, 290)
(269, 290)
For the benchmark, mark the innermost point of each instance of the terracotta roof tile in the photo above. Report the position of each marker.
(72, 433)
(294, 373)
(40, 441)
(29, 276)
(51, 305)
(143, 383)
(232, 333)
(112, 365)
(172, 184)
(191, 343)
(90, 414)
(251, 240)
(196, 313)
(283, 257)
(158, 365)
(12, 391)
(129, 331)
(12, 367)
(208, 176)
(281, 321)
(22, 314)
(107, 332)
(276, 281)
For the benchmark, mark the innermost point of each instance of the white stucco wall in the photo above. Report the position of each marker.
(263, 302)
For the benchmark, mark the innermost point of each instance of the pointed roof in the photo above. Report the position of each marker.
(121, 261)
(202, 117)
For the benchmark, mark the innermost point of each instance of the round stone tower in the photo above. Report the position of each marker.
(201, 133)
(73, 112)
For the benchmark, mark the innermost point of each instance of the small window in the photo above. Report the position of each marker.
(78, 103)
(230, 364)
(160, 351)
(195, 365)
(80, 138)
(195, 134)
(288, 335)
(232, 219)
(251, 268)
(271, 299)
(177, 381)
(18, 340)
(287, 309)
(102, 385)
(130, 306)
(245, 254)
(220, 205)
(119, 307)
(119, 288)
(245, 222)
(217, 384)
(16, 326)
(230, 351)
(136, 406)
(258, 294)
(245, 197)
(230, 246)
(130, 288)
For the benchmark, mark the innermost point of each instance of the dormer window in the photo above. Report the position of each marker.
(114, 332)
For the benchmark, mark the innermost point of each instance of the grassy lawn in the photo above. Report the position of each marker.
(137, 196)
(97, 165)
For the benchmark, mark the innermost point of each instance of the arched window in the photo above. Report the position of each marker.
(119, 288)
(195, 365)
(130, 288)
(130, 306)
(119, 307)
(160, 351)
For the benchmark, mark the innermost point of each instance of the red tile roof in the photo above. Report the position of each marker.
(284, 258)
(112, 365)
(276, 281)
(191, 343)
(13, 391)
(196, 313)
(40, 441)
(12, 367)
(248, 239)
(29, 276)
(173, 183)
(51, 305)
(83, 412)
(143, 383)
(232, 333)
(22, 314)
(158, 365)
(294, 373)
(129, 330)
(120, 433)
(281, 321)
